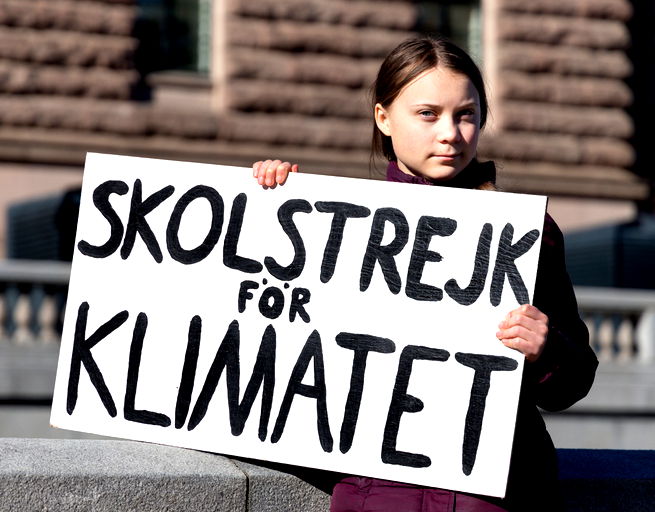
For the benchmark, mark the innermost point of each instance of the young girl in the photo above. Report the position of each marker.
(429, 105)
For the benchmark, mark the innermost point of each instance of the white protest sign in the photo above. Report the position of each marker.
(335, 323)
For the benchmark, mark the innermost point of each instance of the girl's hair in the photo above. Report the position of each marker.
(409, 60)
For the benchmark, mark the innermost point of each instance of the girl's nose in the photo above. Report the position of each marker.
(447, 130)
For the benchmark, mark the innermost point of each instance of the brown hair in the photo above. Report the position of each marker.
(405, 63)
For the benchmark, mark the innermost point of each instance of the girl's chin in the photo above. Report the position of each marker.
(441, 174)
(434, 173)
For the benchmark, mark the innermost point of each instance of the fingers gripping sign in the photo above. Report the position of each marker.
(524, 329)
(270, 173)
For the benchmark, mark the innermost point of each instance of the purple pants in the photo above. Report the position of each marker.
(356, 494)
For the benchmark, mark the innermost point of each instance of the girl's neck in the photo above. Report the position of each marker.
(476, 175)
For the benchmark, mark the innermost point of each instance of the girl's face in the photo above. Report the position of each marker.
(434, 124)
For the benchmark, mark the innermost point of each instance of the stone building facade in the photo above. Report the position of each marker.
(288, 79)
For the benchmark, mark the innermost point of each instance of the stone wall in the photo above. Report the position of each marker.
(561, 95)
(291, 81)
(294, 81)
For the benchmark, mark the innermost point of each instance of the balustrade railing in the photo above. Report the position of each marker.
(32, 300)
(621, 323)
(33, 293)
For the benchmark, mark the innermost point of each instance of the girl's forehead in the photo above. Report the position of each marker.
(439, 85)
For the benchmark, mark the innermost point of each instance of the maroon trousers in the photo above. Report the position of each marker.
(357, 494)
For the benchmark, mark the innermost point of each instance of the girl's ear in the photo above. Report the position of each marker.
(382, 119)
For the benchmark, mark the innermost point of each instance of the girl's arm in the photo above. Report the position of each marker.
(270, 173)
(560, 365)
(566, 367)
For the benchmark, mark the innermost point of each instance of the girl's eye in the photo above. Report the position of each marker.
(426, 114)
(467, 113)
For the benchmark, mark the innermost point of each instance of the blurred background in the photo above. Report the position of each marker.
(232, 81)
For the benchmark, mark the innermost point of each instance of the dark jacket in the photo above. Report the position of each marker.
(561, 376)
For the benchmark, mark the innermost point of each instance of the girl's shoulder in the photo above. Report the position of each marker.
(552, 234)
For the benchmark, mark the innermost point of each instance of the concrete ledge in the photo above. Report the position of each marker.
(283, 488)
(83, 475)
(110, 475)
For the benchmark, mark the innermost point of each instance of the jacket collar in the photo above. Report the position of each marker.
(477, 175)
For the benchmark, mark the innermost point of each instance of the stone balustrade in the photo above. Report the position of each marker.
(621, 323)
(32, 298)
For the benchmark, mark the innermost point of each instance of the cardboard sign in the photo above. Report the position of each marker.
(335, 323)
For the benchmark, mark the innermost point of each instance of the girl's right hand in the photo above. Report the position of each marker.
(272, 172)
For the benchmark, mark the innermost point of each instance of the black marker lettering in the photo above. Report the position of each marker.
(191, 256)
(507, 253)
(285, 217)
(427, 228)
(311, 350)
(299, 297)
(483, 365)
(384, 255)
(188, 372)
(244, 294)
(342, 212)
(137, 221)
(401, 402)
(262, 373)
(361, 344)
(227, 357)
(467, 296)
(81, 354)
(230, 257)
(136, 348)
(101, 200)
(271, 302)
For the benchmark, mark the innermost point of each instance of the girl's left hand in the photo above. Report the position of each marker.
(524, 329)
(270, 173)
